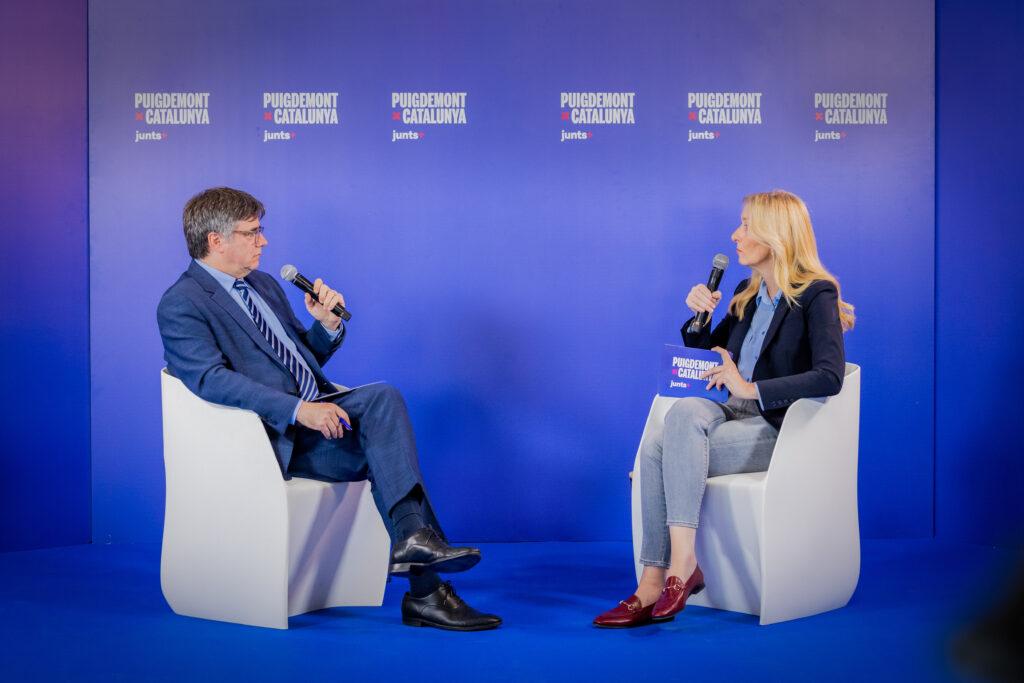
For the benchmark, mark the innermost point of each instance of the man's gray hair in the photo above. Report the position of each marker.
(216, 210)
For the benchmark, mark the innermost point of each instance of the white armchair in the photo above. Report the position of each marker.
(785, 543)
(243, 545)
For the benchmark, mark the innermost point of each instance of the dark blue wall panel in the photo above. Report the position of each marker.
(979, 458)
(44, 320)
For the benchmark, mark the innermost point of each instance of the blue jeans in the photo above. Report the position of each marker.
(699, 439)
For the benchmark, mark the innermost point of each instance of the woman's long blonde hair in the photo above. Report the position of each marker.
(780, 221)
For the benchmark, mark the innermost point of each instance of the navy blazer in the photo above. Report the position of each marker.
(212, 345)
(802, 355)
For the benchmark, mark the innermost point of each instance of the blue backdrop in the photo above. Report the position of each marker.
(516, 287)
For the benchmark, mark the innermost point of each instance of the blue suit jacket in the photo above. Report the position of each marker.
(212, 345)
(802, 355)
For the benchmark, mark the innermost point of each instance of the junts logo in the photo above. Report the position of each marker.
(318, 108)
(595, 108)
(444, 108)
(848, 109)
(721, 109)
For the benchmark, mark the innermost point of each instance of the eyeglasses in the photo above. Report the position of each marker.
(252, 234)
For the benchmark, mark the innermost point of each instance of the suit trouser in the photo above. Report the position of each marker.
(380, 447)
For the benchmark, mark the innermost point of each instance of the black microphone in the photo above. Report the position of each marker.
(718, 267)
(292, 275)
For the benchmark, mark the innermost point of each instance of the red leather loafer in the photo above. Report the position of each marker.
(629, 613)
(673, 596)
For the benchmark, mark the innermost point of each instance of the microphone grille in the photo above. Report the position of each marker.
(721, 261)
(288, 272)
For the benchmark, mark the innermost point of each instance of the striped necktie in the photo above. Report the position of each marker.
(307, 383)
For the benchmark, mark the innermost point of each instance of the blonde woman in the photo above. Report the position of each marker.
(781, 340)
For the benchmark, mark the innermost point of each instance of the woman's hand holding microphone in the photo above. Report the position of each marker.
(701, 299)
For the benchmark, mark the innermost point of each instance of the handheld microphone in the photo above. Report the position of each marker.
(292, 275)
(718, 267)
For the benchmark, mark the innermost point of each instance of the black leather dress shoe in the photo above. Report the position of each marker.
(426, 551)
(444, 609)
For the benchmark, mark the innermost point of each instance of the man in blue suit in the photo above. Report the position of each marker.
(230, 335)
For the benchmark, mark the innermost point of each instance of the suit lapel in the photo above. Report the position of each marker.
(220, 297)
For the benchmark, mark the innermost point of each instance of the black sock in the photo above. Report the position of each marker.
(407, 514)
(424, 584)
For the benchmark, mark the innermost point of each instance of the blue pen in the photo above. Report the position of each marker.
(347, 425)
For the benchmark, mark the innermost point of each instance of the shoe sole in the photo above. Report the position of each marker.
(411, 621)
(448, 566)
(696, 589)
(642, 623)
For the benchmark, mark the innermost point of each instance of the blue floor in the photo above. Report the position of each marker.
(96, 613)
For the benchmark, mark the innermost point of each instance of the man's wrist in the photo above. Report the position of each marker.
(336, 332)
(295, 413)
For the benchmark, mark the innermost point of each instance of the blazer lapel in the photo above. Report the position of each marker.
(231, 307)
(780, 314)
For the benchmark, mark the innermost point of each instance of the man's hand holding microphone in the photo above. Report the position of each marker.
(322, 307)
(327, 418)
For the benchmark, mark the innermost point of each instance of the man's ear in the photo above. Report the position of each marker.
(215, 241)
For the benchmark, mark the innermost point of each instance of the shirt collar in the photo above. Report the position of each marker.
(762, 295)
(226, 281)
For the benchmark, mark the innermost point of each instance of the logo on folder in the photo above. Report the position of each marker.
(680, 371)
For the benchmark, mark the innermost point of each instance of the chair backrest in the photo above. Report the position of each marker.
(214, 440)
(810, 532)
(219, 465)
(813, 422)
(226, 512)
